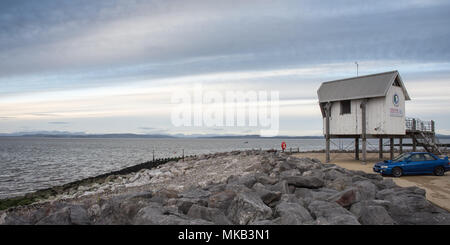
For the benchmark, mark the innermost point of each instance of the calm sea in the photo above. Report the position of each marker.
(29, 164)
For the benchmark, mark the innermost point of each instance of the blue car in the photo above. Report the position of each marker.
(413, 163)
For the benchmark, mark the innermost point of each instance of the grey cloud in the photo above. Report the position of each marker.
(252, 35)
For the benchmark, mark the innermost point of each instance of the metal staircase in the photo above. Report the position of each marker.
(422, 134)
(429, 142)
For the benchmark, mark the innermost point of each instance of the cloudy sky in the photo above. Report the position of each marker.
(112, 66)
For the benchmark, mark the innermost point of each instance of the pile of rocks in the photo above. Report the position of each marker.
(251, 187)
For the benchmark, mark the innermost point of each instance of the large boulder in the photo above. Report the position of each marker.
(331, 213)
(291, 213)
(247, 180)
(210, 214)
(340, 184)
(409, 206)
(361, 190)
(346, 198)
(281, 186)
(154, 215)
(247, 207)
(367, 189)
(120, 209)
(266, 180)
(289, 173)
(305, 164)
(371, 214)
(221, 200)
(334, 172)
(79, 215)
(311, 182)
(266, 196)
(58, 217)
(163, 195)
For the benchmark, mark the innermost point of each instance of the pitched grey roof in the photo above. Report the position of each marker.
(370, 86)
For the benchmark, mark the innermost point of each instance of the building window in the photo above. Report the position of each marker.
(345, 107)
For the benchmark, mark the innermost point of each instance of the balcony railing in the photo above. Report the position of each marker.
(415, 124)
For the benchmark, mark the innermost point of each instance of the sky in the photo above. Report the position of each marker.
(113, 66)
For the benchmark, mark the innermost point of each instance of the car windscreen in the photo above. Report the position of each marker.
(401, 157)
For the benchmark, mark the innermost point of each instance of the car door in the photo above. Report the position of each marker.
(414, 165)
(429, 163)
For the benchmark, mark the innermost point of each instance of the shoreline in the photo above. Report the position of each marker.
(46, 193)
(236, 188)
(43, 194)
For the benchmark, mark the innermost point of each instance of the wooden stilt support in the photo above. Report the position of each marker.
(380, 148)
(327, 130)
(391, 148)
(400, 143)
(356, 148)
(413, 138)
(363, 129)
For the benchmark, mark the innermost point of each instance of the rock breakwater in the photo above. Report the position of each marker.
(248, 187)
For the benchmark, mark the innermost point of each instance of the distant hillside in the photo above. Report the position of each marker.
(63, 135)
(443, 136)
(59, 134)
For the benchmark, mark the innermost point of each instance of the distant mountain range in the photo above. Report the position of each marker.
(64, 134)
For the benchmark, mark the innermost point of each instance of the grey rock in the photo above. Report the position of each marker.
(334, 173)
(385, 184)
(59, 217)
(340, 184)
(303, 193)
(372, 215)
(79, 215)
(346, 198)
(281, 186)
(426, 218)
(305, 181)
(163, 195)
(210, 214)
(266, 195)
(292, 198)
(263, 222)
(314, 172)
(306, 165)
(196, 193)
(337, 220)
(184, 205)
(11, 218)
(247, 180)
(221, 200)
(153, 215)
(367, 189)
(266, 180)
(323, 194)
(331, 213)
(285, 166)
(292, 214)
(289, 173)
(247, 207)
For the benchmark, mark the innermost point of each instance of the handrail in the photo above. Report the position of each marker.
(415, 124)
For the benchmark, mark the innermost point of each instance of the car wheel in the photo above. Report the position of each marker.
(397, 172)
(439, 171)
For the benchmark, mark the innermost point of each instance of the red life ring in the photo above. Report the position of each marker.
(283, 145)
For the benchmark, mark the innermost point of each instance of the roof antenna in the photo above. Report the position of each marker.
(356, 62)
